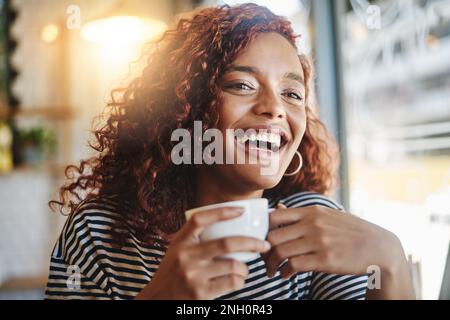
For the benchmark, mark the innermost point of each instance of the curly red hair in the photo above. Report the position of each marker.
(180, 85)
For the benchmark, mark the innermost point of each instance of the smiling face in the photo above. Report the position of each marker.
(263, 89)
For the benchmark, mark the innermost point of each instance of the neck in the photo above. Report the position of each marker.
(214, 190)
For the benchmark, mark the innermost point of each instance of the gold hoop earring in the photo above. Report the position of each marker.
(300, 159)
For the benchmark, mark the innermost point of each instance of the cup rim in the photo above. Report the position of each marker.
(190, 212)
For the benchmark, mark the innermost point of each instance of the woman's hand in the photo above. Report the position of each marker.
(191, 270)
(321, 239)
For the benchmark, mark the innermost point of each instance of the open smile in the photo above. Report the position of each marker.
(262, 141)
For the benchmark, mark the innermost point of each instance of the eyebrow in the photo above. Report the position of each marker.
(294, 76)
(247, 69)
(253, 70)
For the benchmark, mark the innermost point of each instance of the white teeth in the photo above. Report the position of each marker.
(276, 139)
(271, 137)
(262, 137)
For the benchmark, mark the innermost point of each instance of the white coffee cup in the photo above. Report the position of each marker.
(254, 222)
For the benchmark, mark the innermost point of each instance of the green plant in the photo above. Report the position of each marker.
(42, 138)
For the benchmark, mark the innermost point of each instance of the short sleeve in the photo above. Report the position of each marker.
(67, 282)
(337, 287)
(80, 266)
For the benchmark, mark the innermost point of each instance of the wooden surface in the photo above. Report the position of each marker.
(26, 283)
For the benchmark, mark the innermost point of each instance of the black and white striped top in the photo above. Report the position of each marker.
(85, 264)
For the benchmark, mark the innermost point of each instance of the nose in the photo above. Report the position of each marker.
(269, 105)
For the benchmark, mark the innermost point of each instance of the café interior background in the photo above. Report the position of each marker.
(383, 86)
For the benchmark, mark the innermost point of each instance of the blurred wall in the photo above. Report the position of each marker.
(62, 84)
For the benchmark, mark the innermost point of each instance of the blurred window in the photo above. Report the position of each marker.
(397, 86)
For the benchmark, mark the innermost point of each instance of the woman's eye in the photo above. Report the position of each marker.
(294, 95)
(239, 86)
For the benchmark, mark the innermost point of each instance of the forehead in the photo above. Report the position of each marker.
(272, 54)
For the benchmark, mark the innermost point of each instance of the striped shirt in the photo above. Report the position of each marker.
(85, 263)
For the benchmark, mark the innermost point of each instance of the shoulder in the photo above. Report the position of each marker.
(108, 265)
(95, 212)
(306, 198)
(93, 221)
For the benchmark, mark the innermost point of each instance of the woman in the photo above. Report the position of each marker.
(126, 237)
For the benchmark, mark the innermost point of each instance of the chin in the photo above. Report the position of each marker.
(251, 175)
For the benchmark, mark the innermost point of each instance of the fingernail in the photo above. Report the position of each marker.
(267, 245)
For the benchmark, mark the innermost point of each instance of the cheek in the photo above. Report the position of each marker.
(231, 111)
(298, 125)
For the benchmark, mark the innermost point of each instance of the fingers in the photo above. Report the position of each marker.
(287, 233)
(216, 248)
(200, 220)
(285, 217)
(224, 267)
(224, 276)
(287, 250)
(303, 263)
(225, 284)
